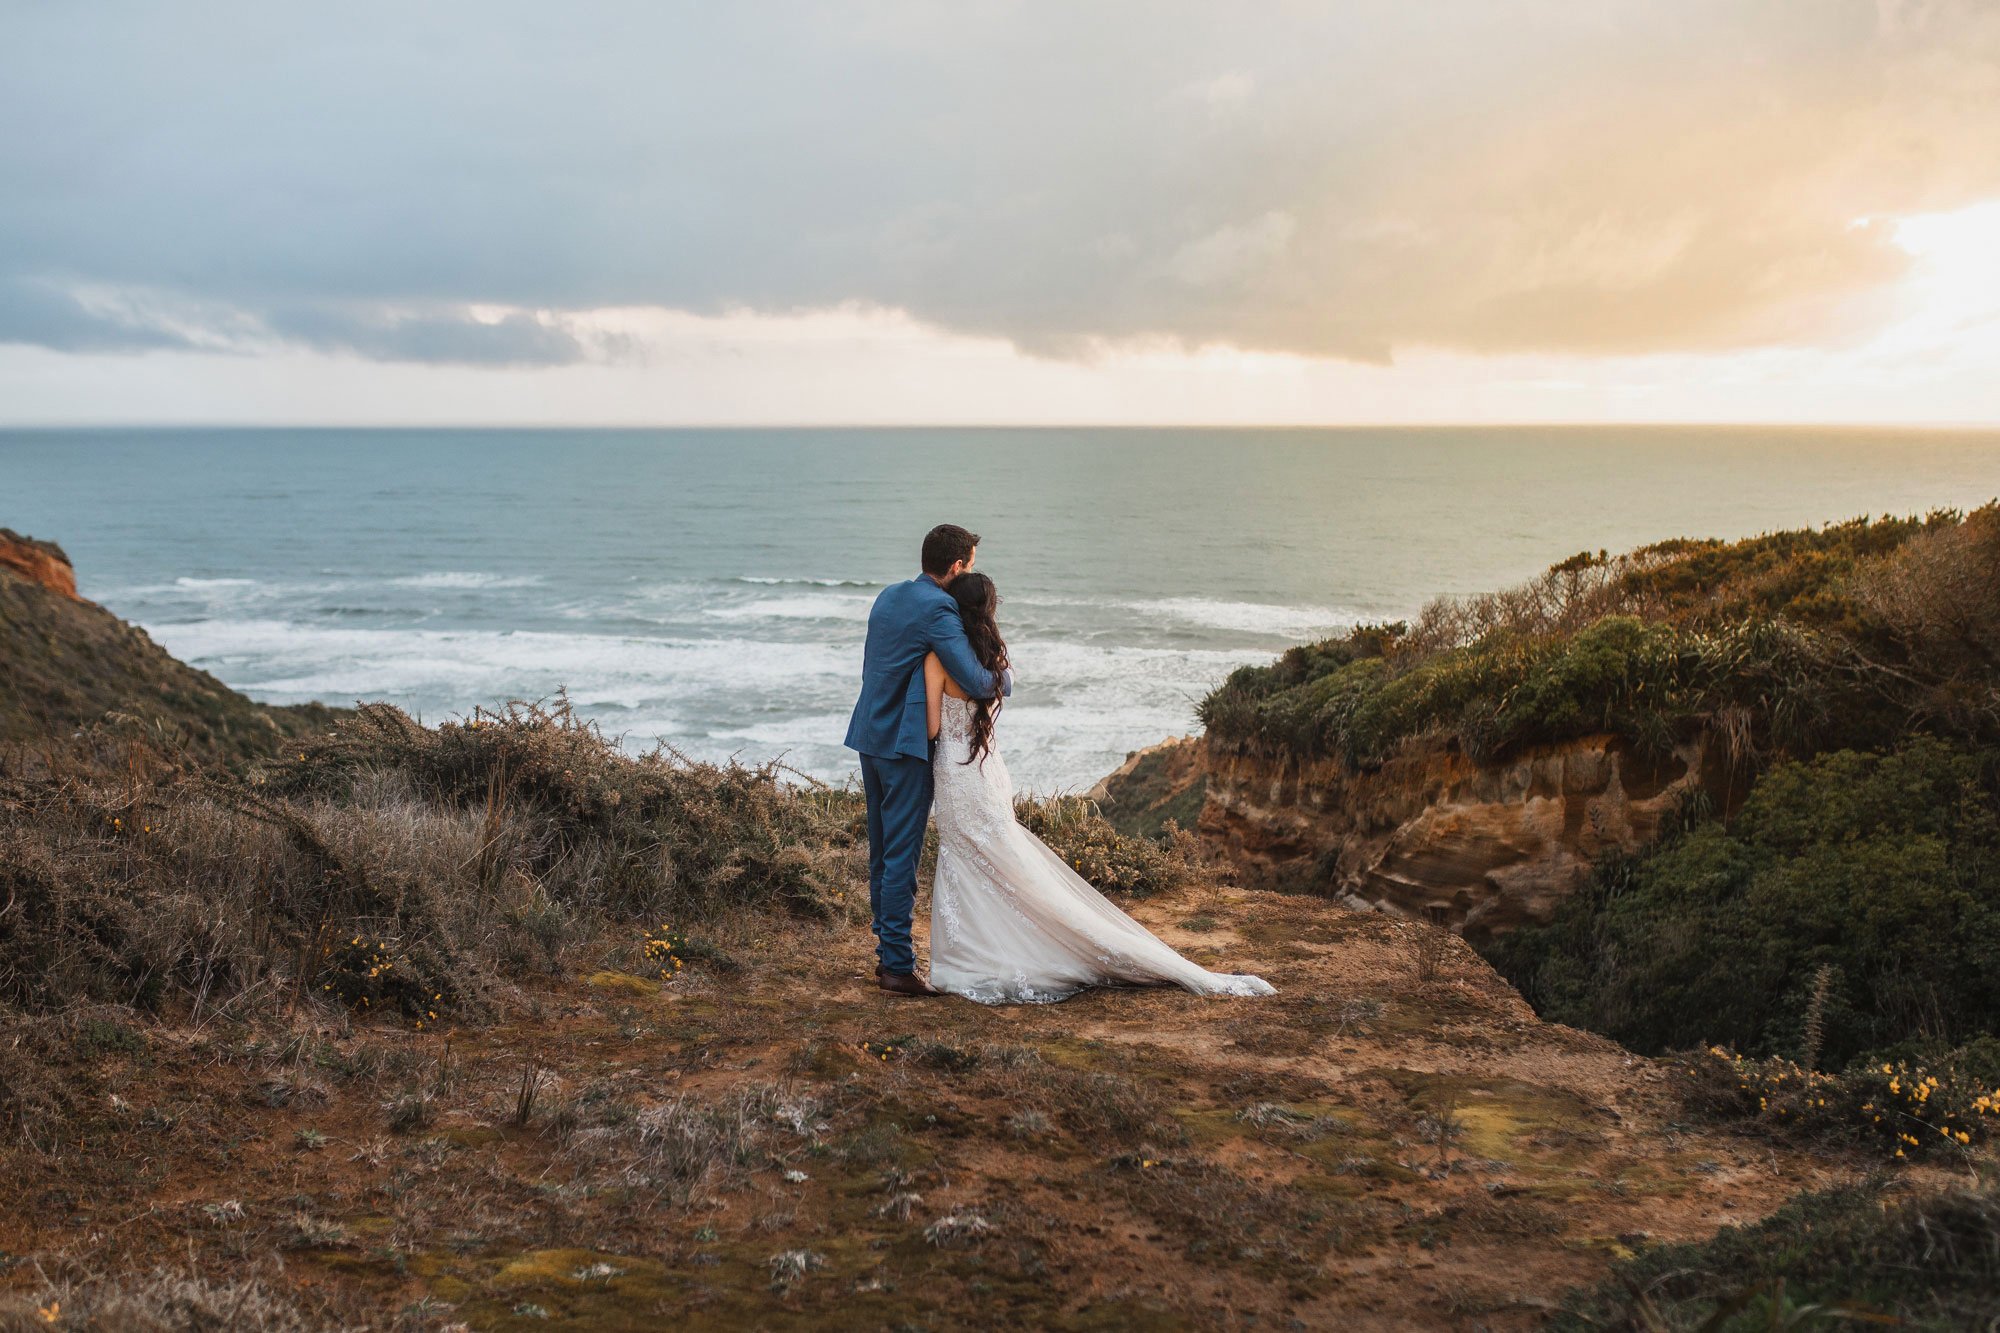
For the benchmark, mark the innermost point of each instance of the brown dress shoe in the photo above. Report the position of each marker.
(905, 983)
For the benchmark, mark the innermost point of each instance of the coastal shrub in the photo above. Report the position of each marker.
(1114, 863)
(1788, 644)
(658, 832)
(389, 864)
(1882, 869)
(363, 973)
(1656, 684)
(1930, 1260)
(1894, 1109)
(1939, 596)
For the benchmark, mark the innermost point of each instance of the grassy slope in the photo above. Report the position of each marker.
(1782, 645)
(68, 666)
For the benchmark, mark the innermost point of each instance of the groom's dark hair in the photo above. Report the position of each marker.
(945, 545)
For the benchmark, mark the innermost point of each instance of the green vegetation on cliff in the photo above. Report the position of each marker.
(1850, 678)
(1882, 869)
(1780, 645)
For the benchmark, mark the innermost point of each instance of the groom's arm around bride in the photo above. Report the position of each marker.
(908, 622)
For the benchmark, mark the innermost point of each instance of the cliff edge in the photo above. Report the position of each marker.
(1472, 764)
(68, 666)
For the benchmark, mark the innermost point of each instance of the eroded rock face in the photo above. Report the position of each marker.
(1493, 845)
(38, 562)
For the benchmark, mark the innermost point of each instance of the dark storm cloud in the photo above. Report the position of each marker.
(1328, 179)
(36, 310)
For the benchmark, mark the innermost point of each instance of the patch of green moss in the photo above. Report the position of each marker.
(858, 1282)
(1500, 1116)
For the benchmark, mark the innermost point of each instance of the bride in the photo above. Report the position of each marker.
(1011, 923)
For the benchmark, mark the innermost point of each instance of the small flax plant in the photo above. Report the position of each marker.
(524, 1097)
(1815, 1033)
(957, 1229)
(790, 1266)
(1442, 1126)
(1430, 941)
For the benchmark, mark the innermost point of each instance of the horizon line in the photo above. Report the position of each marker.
(607, 427)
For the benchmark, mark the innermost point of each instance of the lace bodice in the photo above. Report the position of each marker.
(955, 720)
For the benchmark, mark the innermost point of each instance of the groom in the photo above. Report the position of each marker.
(891, 730)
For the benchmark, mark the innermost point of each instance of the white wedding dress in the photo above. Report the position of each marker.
(1010, 922)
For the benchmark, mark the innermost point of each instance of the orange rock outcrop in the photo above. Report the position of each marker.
(40, 562)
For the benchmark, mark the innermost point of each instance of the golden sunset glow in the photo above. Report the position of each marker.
(1357, 213)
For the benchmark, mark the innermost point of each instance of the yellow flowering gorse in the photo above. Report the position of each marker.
(1906, 1112)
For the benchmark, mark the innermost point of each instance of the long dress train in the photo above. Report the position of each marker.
(1011, 923)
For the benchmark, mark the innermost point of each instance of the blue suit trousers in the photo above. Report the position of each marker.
(899, 806)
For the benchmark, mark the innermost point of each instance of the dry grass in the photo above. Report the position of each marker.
(1430, 944)
(160, 1302)
(440, 862)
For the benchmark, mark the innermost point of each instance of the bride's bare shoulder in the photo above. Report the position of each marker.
(934, 673)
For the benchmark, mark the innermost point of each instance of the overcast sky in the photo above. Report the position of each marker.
(965, 211)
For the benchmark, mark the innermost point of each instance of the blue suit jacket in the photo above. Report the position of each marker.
(908, 622)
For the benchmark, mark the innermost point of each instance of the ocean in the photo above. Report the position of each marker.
(710, 588)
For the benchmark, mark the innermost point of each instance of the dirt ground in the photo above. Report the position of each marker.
(768, 1141)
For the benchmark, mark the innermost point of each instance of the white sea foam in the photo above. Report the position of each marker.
(807, 583)
(185, 582)
(475, 666)
(803, 730)
(452, 578)
(1249, 617)
(822, 607)
(1078, 707)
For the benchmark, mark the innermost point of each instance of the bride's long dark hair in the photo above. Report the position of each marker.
(977, 600)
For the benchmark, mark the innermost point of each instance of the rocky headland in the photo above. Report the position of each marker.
(492, 1025)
